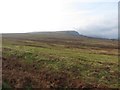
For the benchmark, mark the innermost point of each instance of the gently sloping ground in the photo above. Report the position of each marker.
(59, 63)
(19, 75)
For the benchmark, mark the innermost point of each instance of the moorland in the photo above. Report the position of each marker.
(63, 59)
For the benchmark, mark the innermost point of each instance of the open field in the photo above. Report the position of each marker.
(52, 61)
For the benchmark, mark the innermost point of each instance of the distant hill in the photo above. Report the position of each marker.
(55, 34)
(58, 33)
(65, 37)
(38, 35)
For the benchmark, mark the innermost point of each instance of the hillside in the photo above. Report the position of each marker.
(65, 37)
(57, 34)
(62, 59)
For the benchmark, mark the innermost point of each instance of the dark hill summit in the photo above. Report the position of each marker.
(38, 35)
(58, 33)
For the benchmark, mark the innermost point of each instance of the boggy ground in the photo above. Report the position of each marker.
(17, 75)
(69, 63)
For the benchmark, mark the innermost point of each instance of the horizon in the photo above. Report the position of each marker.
(95, 18)
(64, 31)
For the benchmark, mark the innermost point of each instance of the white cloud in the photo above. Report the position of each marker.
(105, 28)
(88, 1)
(30, 15)
(54, 15)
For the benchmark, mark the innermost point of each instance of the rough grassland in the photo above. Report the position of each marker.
(59, 63)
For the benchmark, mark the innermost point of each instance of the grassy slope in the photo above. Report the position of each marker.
(59, 61)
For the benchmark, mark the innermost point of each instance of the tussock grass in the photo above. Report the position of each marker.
(84, 64)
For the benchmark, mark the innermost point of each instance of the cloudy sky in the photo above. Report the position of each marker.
(89, 17)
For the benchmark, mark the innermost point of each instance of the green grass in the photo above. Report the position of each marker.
(78, 63)
(6, 86)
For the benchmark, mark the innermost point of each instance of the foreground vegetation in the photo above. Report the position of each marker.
(59, 63)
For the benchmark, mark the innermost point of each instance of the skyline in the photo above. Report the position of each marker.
(92, 18)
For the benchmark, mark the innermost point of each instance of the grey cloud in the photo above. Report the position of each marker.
(102, 30)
